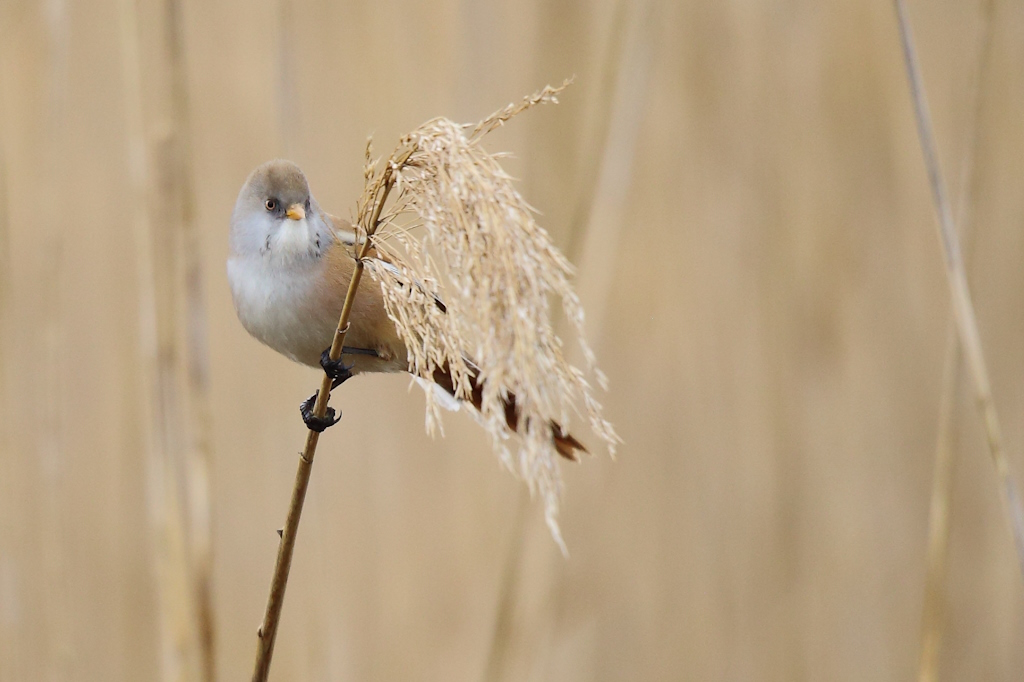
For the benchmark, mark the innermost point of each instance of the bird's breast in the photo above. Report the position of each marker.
(294, 309)
(282, 307)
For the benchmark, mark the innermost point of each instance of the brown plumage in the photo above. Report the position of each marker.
(564, 443)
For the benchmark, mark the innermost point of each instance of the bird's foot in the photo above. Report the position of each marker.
(313, 422)
(337, 370)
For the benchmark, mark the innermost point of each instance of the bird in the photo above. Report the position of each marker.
(289, 268)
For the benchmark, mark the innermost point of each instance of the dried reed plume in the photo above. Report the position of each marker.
(471, 297)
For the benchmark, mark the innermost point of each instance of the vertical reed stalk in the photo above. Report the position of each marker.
(199, 452)
(5, 285)
(286, 91)
(51, 454)
(963, 308)
(159, 390)
(597, 244)
(609, 85)
(939, 513)
(941, 504)
(497, 665)
(8, 667)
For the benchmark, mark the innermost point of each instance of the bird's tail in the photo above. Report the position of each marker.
(565, 444)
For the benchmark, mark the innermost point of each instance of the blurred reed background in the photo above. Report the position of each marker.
(742, 189)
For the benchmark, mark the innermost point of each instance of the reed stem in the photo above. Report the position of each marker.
(267, 632)
(963, 308)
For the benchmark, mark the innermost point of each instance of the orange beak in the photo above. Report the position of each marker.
(296, 212)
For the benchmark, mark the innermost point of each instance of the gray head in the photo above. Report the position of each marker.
(276, 217)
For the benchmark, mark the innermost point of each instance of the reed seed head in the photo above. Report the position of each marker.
(458, 231)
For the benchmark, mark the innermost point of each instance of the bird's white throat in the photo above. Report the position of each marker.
(294, 239)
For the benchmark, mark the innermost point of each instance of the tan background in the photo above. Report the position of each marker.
(741, 186)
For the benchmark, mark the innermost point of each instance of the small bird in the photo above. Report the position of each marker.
(289, 270)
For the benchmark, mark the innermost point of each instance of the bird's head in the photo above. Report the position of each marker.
(276, 217)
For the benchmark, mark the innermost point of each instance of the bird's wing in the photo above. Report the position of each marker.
(343, 229)
(346, 234)
(417, 283)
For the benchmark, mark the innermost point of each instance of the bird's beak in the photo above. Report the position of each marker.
(296, 212)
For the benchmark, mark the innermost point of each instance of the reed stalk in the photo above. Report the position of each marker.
(940, 508)
(963, 308)
(267, 632)
(195, 463)
(5, 283)
(51, 442)
(152, 165)
(7, 468)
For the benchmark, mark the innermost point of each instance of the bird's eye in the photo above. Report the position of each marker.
(271, 204)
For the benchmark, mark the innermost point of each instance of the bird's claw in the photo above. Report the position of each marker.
(315, 423)
(337, 370)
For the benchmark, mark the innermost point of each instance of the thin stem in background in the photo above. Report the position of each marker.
(941, 504)
(267, 632)
(198, 456)
(609, 85)
(158, 393)
(51, 445)
(605, 219)
(496, 667)
(597, 245)
(286, 92)
(939, 513)
(963, 308)
(8, 664)
(5, 282)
